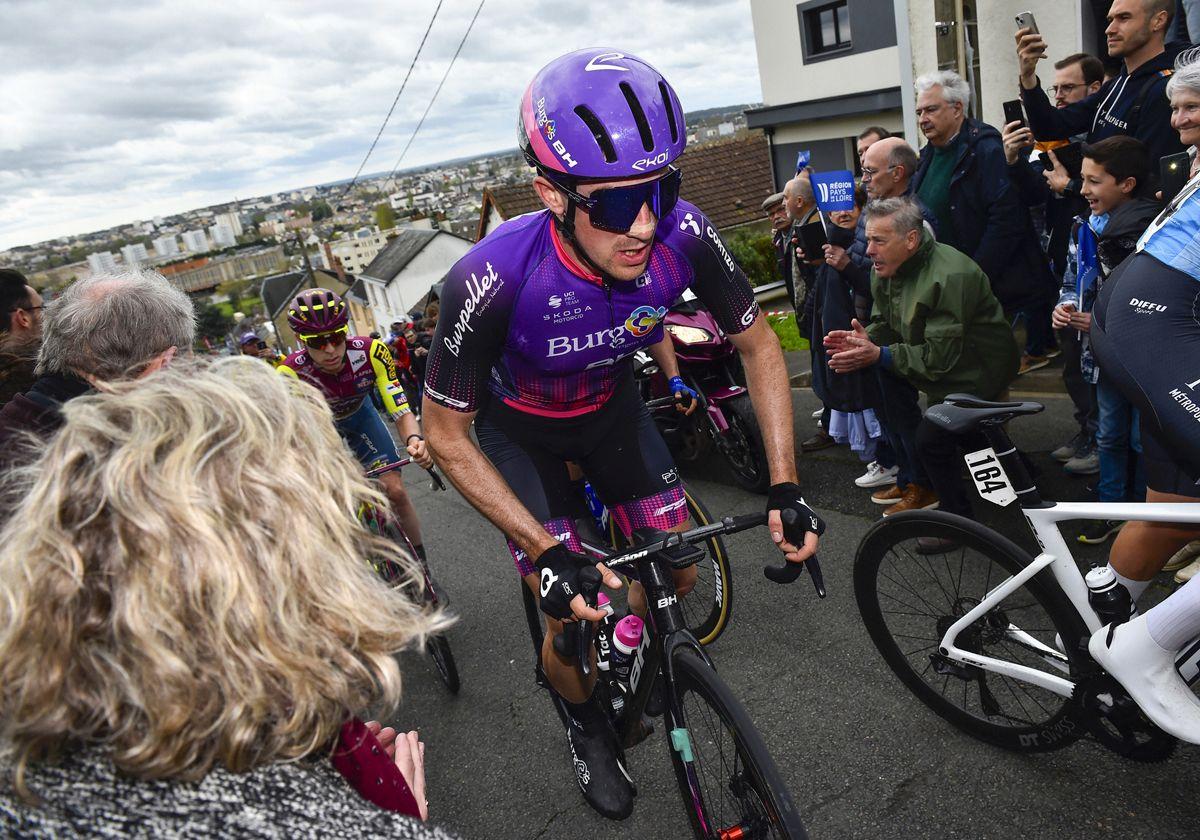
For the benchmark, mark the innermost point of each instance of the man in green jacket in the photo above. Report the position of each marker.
(936, 325)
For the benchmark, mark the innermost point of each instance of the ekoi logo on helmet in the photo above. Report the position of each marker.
(643, 319)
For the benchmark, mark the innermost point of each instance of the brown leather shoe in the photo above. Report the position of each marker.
(927, 546)
(821, 440)
(887, 496)
(916, 497)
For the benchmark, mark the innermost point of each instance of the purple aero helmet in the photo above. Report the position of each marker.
(600, 113)
(315, 311)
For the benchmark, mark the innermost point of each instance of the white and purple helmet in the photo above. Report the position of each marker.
(600, 113)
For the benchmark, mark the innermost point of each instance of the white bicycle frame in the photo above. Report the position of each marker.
(1055, 554)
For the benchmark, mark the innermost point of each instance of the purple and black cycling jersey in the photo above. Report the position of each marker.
(550, 339)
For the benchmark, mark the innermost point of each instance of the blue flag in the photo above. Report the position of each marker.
(802, 159)
(834, 190)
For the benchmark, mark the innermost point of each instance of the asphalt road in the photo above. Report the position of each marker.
(863, 757)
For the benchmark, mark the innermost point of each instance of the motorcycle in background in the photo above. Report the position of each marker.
(708, 364)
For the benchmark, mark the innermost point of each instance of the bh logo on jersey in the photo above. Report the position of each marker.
(643, 319)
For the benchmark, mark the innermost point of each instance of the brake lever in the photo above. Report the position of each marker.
(436, 482)
(788, 572)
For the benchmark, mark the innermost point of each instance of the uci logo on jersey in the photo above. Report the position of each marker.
(644, 319)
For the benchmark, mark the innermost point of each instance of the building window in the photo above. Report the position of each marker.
(827, 28)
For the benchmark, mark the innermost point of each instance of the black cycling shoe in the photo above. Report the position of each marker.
(599, 760)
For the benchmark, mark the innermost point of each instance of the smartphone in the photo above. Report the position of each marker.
(812, 239)
(1025, 21)
(1173, 174)
(1013, 112)
(1070, 156)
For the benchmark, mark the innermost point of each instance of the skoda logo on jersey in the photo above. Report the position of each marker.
(643, 319)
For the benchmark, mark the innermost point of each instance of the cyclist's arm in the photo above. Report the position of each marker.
(395, 401)
(766, 376)
(448, 434)
(663, 354)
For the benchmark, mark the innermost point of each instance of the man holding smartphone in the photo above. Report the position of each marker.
(1132, 103)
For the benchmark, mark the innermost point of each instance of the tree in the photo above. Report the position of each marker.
(321, 210)
(385, 217)
(755, 253)
(212, 322)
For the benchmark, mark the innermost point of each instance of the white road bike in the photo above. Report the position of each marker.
(990, 638)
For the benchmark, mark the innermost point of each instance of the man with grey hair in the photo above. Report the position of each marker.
(936, 325)
(962, 177)
(106, 327)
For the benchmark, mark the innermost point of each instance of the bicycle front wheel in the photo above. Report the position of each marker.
(728, 781)
(909, 597)
(708, 607)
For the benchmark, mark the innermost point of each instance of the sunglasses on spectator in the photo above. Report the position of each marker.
(615, 209)
(317, 342)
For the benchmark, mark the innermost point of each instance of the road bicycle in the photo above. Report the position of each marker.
(977, 630)
(727, 779)
(709, 606)
(384, 524)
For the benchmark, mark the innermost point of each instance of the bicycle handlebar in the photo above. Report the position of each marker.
(436, 482)
(669, 400)
(788, 572)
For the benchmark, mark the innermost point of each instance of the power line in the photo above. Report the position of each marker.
(403, 84)
(433, 99)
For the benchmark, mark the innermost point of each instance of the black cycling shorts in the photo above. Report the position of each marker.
(618, 448)
(1146, 337)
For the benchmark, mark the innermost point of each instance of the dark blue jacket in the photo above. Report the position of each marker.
(1109, 111)
(991, 225)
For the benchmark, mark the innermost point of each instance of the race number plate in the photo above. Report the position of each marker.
(989, 477)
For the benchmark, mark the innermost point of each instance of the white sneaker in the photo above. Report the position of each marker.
(877, 476)
(1185, 559)
(1188, 572)
(1136, 661)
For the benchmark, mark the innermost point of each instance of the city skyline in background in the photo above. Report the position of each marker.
(156, 108)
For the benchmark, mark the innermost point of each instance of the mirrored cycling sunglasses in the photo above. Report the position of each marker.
(316, 342)
(615, 209)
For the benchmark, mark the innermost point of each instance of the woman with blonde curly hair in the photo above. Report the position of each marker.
(188, 625)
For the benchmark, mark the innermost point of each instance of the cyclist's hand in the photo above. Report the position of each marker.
(569, 583)
(685, 398)
(419, 451)
(798, 542)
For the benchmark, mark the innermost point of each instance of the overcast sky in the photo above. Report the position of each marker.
(117, 111)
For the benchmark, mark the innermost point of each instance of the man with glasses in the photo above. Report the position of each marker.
(539, 324)
(345, 369)
(20, 333)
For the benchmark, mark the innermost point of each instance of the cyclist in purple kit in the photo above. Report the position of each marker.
(538, 324)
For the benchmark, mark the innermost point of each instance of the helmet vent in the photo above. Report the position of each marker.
(670, 106)
(597, 128)
(639, 117)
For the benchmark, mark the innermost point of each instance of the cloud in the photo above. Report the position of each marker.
(118, 112)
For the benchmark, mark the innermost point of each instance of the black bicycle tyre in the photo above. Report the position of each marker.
(754, 475)
(439, 651)
(1063, 728)
(692, 675)
(708, 626)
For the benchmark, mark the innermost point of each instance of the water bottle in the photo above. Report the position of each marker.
(604, 632)
(1107, 596)
(626, 638)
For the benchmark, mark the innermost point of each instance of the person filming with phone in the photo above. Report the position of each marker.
(1134, 102)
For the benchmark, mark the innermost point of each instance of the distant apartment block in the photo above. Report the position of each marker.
(356, 251)
(102, 262)
(209, 272)
(134, 254)
(222, 235)
(231, 220)
(195, 241)
(166, 246)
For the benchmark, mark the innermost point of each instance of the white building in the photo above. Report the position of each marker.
(232, 220)
(405, 271)
(134, 254)
(356, 251)
(102, 262)
(166, 246)
(222, 235)
(831, 68)
(195, 241)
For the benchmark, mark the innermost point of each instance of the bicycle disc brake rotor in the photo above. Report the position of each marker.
(1115, 720)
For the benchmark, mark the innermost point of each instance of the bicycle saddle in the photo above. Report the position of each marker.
(964, 413)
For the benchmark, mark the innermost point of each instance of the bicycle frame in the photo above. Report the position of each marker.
(1043, 518)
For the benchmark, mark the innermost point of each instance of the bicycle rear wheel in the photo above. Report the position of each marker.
(908, 601)
(709, 606)
(729, 783)
(443, 659)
